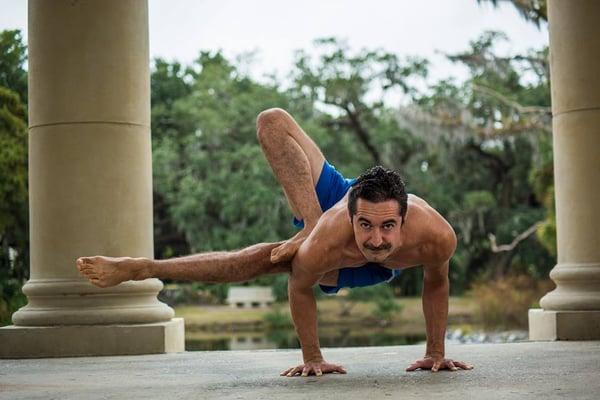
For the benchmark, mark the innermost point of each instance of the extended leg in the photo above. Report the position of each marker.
(212, 267)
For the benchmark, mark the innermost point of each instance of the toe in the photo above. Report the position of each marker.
(85, 261)
(98, 282)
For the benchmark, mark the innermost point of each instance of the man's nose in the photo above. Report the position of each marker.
(376, 239)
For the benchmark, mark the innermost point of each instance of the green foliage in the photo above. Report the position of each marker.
(13, 160)
(14, 237)
(382, 295)
(489, 149)
(341, 84)
(13, 54)
(386, 308)
(504, 302)
(277, 319)
(479, 200)
(279, 285)
(479, 152)
(194, 293)
(481, 159)
(535, 11)
(209, 170)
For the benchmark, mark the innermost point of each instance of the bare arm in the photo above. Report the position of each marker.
(308, 267)
(435, 306)
(436, 288)
(304, 314)
(313, 259)
(303, 307)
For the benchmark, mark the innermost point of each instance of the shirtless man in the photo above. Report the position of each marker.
(355, 232)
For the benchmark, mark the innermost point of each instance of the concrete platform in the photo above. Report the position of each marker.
(528, 370)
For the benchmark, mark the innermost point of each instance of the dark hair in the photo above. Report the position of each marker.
(378, 184)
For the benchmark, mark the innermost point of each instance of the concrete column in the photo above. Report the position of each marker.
(572, 310)
(90, 183)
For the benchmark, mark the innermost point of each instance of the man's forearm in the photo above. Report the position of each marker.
(435, 309)
(304, 314)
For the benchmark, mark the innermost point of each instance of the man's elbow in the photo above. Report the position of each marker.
(436, 275)
(435, 283)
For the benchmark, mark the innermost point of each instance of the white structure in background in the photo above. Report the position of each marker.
(251, 343)
(250, 296)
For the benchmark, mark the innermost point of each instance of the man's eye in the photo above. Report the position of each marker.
(365, 225)
(388, 226)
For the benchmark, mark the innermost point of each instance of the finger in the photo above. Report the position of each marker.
(286, 371)
(85, 260)
(340, 369)
(451, 366)
(98, 283)
(318, 371)
(463, 365)
(436, 366)
(305, 371)
(274, 255)
(293, 372)
(412, 367)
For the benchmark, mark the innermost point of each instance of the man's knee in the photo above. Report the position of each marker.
(269, 118)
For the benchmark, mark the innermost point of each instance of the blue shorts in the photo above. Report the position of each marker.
(331, 188)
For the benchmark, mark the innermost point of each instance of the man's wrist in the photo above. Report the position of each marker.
(434, 354)
(316, 359)
(312, 356)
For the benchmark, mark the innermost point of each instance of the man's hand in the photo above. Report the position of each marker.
(437, 362)
(317, 368)
(288, 249)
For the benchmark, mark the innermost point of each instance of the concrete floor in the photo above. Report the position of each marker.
(528, 370)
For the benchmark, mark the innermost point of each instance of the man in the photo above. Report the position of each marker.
(354, 233)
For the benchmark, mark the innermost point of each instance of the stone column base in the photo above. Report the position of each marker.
(92, 340)
(564, 325)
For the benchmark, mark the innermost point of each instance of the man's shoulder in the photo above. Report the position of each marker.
(436, 233)
(324, 246)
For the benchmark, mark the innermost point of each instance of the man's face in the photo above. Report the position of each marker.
(377, 228)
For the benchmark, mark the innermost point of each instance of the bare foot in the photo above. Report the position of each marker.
(110, 271)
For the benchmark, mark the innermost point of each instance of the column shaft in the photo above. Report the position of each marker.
(574, 66)
(90, 167)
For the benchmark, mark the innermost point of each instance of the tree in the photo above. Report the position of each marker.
(341, 84)
(535, 11)
(14, 54)
(14, 238)
(496, 133)
(477, 151)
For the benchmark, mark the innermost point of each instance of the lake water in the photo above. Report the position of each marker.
(286, 338)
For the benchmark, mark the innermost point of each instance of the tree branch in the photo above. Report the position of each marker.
(509, 247)
(520, 108)
(362, 134)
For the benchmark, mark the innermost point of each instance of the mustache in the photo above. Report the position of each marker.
(386, 246)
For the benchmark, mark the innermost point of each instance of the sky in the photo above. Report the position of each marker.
(179, 29)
